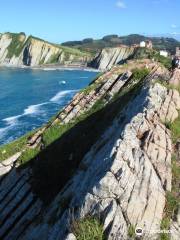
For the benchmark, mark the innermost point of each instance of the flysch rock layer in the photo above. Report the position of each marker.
(111, 56)
(122, 179)
(34, 52)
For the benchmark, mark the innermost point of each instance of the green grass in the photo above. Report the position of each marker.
(16, 46)
(172, 200)
(88, 228)
(165, 61)
(172, 203)
(27, 155)
(175, 174)
(90, 88)
(10, 149)
(131, 231)
(142, 53)
(54, 58)
(56, 131)
(175, 129)
(139, 74)
(74, 51)
(165, 224)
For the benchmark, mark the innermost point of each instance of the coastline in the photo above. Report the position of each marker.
(52, 67)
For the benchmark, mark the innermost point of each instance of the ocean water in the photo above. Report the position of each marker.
(29, 98)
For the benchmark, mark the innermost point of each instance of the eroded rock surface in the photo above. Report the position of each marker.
(122, 179)
(111, 56)
(21, 50)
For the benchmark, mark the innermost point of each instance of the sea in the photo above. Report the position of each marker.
(30, 97)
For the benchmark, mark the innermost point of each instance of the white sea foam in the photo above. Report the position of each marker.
(12, 120)
(33, 109)
(62, 94)
(62, 82)
(49, 69)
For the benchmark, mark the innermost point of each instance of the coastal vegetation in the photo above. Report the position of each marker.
(10, 149)
(93, 45)
(142, 53)
(16, 45)
(88, 228)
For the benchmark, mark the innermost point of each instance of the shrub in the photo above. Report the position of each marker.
(88, 228)
(175, 129)
(131, 231)
(139, 74)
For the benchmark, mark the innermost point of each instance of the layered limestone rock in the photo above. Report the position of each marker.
(122, 179)
(19, 50)
(111, 56)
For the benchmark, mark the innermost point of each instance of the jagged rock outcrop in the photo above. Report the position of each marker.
(21, 50)
(111, 56)
(123, 177)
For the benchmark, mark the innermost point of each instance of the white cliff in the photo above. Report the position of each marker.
(111, 56)
(21, 50)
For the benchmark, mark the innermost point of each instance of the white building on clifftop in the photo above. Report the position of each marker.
(147, 44)
(163, 53)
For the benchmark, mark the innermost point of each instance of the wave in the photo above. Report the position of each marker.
(11, 123)
(30, 110)
(36, 109)
(49, 69)
(62, 94)
(62, 82)
(33, 109)
(12, 120)
(3, 131)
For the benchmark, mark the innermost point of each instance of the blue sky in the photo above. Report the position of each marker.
(63, 20)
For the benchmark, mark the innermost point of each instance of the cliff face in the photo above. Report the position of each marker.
(19, 50)
(111, 160)
(111, 56)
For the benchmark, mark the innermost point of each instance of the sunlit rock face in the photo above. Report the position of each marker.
(21, 50)
(122, 178)
(110, 56)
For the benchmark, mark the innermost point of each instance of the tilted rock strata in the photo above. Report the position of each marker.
(122, 179)
(106, 86)
(18, 205)
(30, 51)
(111, 56)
